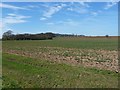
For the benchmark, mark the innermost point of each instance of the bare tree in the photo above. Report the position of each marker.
(7, 35)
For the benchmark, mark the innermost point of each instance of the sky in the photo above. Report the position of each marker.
(83, 18)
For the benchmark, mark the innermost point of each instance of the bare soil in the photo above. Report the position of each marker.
(102, 59)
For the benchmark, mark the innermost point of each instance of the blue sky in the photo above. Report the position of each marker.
(88, 18)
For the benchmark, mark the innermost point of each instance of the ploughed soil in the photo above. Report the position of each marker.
(102, 59)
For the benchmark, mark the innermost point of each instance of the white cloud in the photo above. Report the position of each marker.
(43, 18)
(11, 14)
(84, 4)
(109, 5)
(80, 7)
(51, 10)
(50, 23)
(14, 19)
(11, 19)
(32, 6)
(44, 5)
(69, 22)
(72, 23)
(82, 10)
(79, 10)
(63, 5)
(94, 13)
(70, 9)
(2, 5)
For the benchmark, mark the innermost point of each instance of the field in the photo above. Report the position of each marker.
(64, 62)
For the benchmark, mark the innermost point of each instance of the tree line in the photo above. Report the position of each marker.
(41, 36)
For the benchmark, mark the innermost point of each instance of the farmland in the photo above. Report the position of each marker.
(71, 62)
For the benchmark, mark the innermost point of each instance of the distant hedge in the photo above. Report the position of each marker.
(42, 36)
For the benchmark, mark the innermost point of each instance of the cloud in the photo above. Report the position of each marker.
(50, 23)
(32, 6)
(70, 9)
(44, 5)
(69, 22)
(109, 5)
(81, 10)
(14, 19)
(2, 5)
(79, 7)
(84, 4)
(94, 13)
(43, 18)
(72, 23)
(11, 19)
(51, 10)
(78, 10)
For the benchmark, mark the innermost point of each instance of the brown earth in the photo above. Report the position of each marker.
(102, 59)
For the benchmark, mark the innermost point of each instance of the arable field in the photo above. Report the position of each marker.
(64, 62)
